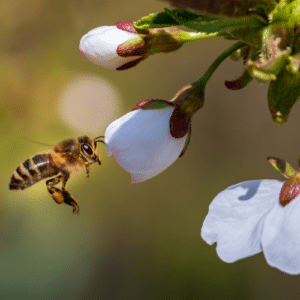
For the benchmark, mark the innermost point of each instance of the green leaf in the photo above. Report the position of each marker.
(287, 11)
(228, 8)
(166, 19)
(225, 25)
(283, 94)
(218, 24)
(198, 22)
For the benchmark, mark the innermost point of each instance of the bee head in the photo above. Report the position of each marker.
(88, 149)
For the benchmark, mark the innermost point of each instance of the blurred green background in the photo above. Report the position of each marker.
(130, 241)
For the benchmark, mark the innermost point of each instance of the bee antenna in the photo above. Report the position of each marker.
(101, 136)
(96, 140)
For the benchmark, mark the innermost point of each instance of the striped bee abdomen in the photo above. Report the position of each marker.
(31, 171)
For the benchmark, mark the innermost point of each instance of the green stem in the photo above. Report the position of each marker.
(204, 79)
(195, 36)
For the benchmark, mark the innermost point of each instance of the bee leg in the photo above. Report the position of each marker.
(68, 198)
(55, 192)
(62, 196)
(87, 167)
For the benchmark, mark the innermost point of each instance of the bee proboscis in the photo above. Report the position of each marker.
(65, 158)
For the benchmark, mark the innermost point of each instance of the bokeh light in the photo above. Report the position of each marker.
(88, 104)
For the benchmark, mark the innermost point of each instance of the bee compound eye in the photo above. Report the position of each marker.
(87, 149)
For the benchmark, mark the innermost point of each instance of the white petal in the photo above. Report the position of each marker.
(281, 237)
(100, 44)
(141, 142)
(236, 217)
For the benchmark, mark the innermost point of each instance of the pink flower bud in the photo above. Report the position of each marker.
(122, 47)
(100, 47)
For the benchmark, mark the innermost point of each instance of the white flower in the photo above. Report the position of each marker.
(100, 46)
(141, 142)
(247, 218)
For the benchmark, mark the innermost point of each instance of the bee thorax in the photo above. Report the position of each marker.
(74, 168)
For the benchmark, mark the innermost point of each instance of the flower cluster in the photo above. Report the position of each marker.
(249, 217)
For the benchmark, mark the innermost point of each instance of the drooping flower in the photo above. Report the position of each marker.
(248, 218)
(141, 142)
(150, 138)
(122, 47)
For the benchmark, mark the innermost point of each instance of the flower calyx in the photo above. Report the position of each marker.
(187, 101)
(149, 41)
(290, 189)
(276, 45)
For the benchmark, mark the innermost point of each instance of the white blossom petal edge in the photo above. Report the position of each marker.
(247, 218)
(141, 142)
(100, 46)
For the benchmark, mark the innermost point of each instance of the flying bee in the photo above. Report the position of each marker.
(64, 159)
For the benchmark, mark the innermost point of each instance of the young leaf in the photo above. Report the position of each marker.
(228, 8)
(166, 19)
(283, 94)
(225, 25)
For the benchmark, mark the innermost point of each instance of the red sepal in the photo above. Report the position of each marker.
(126, 26)
(290, 190)
(179, 125)
(153, 104)
(239, 83)
(187, 142)
(130, 64)
(140, 104)
(128, 49)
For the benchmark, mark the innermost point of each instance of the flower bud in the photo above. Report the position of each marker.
(100, 46)
(122, 47)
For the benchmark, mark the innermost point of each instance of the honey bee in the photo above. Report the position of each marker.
(68, 157)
